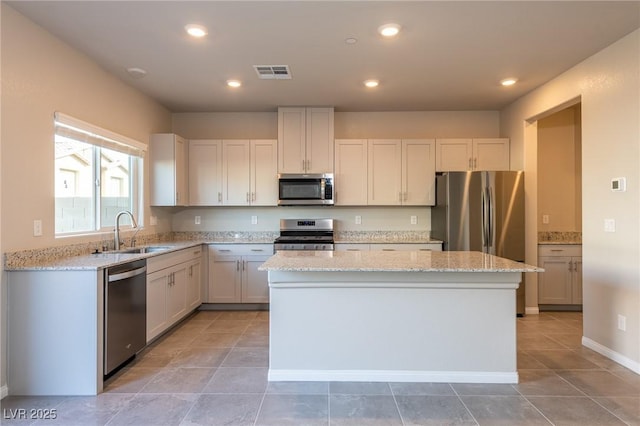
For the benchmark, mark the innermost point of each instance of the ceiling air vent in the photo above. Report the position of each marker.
(273, 72)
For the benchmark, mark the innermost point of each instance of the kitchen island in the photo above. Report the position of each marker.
(393, 316)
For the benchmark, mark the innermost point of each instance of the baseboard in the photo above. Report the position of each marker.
(4, 391)
(392, 376)
(531, 310)
(612, 355)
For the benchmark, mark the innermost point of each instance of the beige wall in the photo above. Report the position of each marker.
(608, 85)
(41, 75)
(559, 171)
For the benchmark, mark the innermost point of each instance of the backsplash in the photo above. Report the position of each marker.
(569, 237)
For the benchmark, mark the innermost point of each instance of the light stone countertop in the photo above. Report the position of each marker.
(394, 261)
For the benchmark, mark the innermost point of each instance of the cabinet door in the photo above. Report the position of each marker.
(255, 284)
(264, 172)
(177, 293)
(576, 282)
(224, 279)
(182, 198)
(384, 172)
(453, 155)
(235, 172)
(351, 172)
(291, 140)
(157, 322)
(554, 284)
(491, 154)
(319, 140)
(418, 172)
(194, 284)
(205, 172)
(168, 179)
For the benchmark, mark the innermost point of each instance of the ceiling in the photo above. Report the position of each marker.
(449, 55)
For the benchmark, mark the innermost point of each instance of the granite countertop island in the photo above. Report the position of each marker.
(393, 316)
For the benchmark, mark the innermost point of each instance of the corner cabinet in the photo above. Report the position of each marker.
(472, 154)
(396, 172)
(168, 170)
(234, 275)
(173, 288)
(305, 140)
(561, 282)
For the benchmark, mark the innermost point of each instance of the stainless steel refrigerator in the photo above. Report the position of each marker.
(481, 211)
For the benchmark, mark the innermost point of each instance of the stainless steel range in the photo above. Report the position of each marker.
(305, 234)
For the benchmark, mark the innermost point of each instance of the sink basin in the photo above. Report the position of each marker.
(148, 249)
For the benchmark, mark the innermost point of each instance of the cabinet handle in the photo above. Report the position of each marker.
(400, 196)
(308, 165)
(191, 271)
(406, 196)
(196, 253)
(304, 165)
(387, 249)
(177, 197)
(237, 265)
(247, 197)
(470, 164)
(425, 250)
(475, 163)
(225, 250)
(243, 264)
(219, 197)
(557, 250)
(253, 196)
(257, 250)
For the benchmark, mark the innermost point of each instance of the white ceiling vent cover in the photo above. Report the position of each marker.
(273, 72)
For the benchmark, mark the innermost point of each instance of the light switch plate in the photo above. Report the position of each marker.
(358, 220)
(545, 219)
(609, 225)
(414, 220)
(198, 220)
(37, 228)
(254, 220)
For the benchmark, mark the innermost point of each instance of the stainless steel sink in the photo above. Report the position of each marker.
(148, 249)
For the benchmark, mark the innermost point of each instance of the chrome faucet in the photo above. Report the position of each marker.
(116, 231)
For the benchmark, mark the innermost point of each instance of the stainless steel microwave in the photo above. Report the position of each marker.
(305, 189)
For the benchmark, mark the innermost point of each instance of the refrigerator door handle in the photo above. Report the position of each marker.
(490, 222)
(484, 220)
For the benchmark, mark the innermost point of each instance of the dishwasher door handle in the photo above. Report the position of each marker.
(127, 274)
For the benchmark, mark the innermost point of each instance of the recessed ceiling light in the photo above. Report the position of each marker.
(195, 30)
(136, 73)
(371, 83)
(351, 40)
(234, 83)
(508, 81)
(389, 30)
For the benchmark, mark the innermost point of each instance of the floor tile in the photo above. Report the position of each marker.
(298, 410)
(562, 359)
(253, 341)
(130, 380)
(227, 326)
(154, 410)
(359, 388)
(433, 410)
(545, 382)
(88, 410)
(528, 362)
(503, 410)
(179, 380)
(247, 357)
(238, 380)
(483, 389)
(228, 410)
(537, 342)
(299, 388)
(216, 340)
(574, 411)
(360, 410)
(625, 408)
(238, 315)
(200, 357)
(599, 383)
(421, 389)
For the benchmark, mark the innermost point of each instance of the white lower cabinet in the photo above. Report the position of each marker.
(561, 281)
(234, 275)
(173, 288)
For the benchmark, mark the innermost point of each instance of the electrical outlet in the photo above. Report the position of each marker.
(37, 228)
(198, 220)
(545, 219)
(414, 220)
(254, 220)
(358, 220)
(622, 322)
(609, 225)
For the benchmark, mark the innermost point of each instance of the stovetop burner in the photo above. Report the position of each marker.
(305, 234)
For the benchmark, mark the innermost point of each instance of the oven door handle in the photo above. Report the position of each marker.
(127, 274)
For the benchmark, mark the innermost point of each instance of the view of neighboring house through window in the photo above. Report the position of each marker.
(98, 174)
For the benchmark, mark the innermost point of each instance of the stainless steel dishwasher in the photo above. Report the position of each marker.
(125, 309)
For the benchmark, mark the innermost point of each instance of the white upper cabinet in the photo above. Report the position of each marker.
(305, 140)
(385, 172)
(350, 186)
(205, 172)
(472, 154)
(168, 170)
(249, 172)
(388, 172)
(418, 172)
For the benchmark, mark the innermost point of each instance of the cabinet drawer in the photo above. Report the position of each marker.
(559, 250)
(162, 261)
(351, 247)
(407, 247)
(240, 249)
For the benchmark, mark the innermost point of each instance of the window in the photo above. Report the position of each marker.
(97, 174)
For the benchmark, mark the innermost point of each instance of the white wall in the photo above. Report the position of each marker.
(41, 75)
(608, 84)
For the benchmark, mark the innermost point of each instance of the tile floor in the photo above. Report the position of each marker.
(212, 370)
